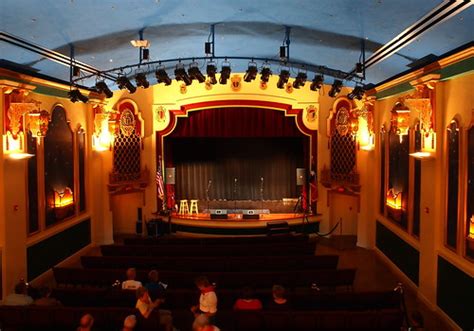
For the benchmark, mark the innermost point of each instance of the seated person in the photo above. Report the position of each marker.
(154, 286)
(248, 301)
(207, 300)
(279, 301)
(145, 306)
(20, 297)
(86, 323)
(129, 323)
(202, 323)
(45, 298)
(131, 283)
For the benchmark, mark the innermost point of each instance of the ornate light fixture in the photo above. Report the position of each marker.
(365, 134)
(64, 198)
(400, 122)
(104, 130)
(14, 140)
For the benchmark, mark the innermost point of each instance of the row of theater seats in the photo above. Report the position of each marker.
(233, 249)
(178, 279)
(216, 240)
(180, 299)
(110, 319)
(213, 264)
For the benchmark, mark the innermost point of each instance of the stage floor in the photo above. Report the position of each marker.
(235, 225)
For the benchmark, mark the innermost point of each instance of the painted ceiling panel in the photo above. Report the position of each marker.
(326, 32)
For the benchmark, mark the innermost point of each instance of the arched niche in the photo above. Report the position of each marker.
(59, 168)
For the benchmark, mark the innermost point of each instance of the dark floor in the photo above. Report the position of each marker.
(374, 274)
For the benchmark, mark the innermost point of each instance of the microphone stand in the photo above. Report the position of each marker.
(207, 193)
(235, 194)
(261, 194)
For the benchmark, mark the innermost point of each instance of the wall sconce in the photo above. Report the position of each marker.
(104, 131)
(394, 200)
(400, 123)
(64, 198)
(365, 134)
(37, 123)
(13, 139)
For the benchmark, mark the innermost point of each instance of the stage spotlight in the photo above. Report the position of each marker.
(265, 74)
(225, 73)
(251, 72)
(300, 80)
(317, 83)
(357, 93)
(76, 95)
(211, 73)
(195, 73)
(124, 83)
(141, 80)
(180, 74)
(162, 76)
(335, 88)
(145, 54)
(101, 87)
(283, 78)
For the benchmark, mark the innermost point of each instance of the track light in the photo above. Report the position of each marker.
(162, 76)
(251, 72)
(180, 74)
(76, 95)
(283, 78)
(211, 73)
(300, 80)
(145, 54)
(335, 88)
(124, 83)
(101, 87)
(195, 73)
(225, 73)
(265, 74)
(357, 93)
(317, 83)
(141, 80)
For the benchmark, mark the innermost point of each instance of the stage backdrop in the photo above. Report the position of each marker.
(246, 144)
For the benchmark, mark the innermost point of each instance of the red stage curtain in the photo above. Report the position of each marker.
(237, 122)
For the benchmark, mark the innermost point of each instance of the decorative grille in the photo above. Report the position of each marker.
(343, 156)
(126, 157)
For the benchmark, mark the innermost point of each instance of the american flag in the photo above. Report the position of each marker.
(160, 187)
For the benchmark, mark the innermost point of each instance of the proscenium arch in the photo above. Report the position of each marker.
(184, 111)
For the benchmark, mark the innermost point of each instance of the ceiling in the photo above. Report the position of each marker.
(323, 32)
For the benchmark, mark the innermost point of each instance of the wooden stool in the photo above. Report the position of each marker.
(183, 207)
(194, 207)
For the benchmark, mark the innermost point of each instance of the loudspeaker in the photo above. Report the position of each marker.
(139, 214)
(300, 176)
(218, 214)
(170, 175)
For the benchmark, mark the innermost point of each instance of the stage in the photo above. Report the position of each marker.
(236, 225)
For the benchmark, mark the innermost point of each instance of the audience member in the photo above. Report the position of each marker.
(202, 323)
(207, 300)
(129, 323)
(20, 297)
(131, 283)
(279, 301)
(86, 323)
(248, 301)
(145, 306)
(45, 298)
(155, 287)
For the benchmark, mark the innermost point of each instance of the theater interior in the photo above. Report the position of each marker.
(326, 146)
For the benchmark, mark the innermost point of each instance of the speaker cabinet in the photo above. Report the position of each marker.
(218, 214)
(300, 176)
(170, 176)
